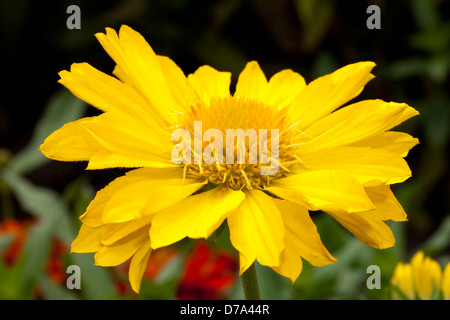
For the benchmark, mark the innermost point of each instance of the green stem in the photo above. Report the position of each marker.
(250, 284)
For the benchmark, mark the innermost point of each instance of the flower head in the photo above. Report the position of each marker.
(341, 161)
(421, 278)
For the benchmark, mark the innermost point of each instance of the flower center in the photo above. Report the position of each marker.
(256, 137)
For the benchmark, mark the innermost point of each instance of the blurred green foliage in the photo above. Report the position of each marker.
(412, 52)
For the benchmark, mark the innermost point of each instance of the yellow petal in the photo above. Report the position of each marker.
(146, 196)
(138, 265)
(137, 60)
(209, 83)
(367, 227)
(72, 142)
(396, 142)
(119, 73)
(446, 282)
(354, 123)
(388, 207)
(178, 84)
(402, 278)
(121, 250)
(113, 232)
(291, 265)
(283, 87)
(140, 192)
(426, 274)
(322, 190)
(107, 93)
(368, 165)
(88, 240)
(327, 93)
(128, 139)
(302, 240)
(108, 159)
(257, 231)
(196, 216)
(252, 83)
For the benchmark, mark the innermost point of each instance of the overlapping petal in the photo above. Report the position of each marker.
(369, 166)
(196, 216)
(126, 142)
(209, 83)
(140, 192)
(392, 141)
(369, 227)
(140, 67)
(134, 245)
(71, 143)
(138, 265)
(387, 206)
(257, 231)
(323, 190)
(325, 94)
(354, 123)
(122, 249)
(302, 241)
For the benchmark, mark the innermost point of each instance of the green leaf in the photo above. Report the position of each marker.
(426, 14)
(40, 202)
(96, 282)
(5, 240)
(52, 291)
(272, 285)
(11, 285)
(439, 240)
(316, 17)
(61, 109)
(171, 270)
(53, 221)
(36, 252)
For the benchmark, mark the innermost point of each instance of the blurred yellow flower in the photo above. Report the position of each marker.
(339, 160)
(446, 282)
(422, 278)
(403, 279)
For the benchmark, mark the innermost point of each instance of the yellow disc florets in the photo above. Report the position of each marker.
(255, 137)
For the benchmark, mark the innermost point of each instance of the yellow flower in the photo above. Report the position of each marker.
(402, 279)
(446, 282)
(341, 161)
(420, 278)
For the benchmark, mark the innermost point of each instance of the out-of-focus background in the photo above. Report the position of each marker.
(41, 200)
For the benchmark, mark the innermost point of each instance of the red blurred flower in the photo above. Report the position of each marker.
(19, 232)
(55, 266)
(208, 274)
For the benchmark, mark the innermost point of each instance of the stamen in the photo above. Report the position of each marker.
(184, 172)
(245, 114)
(298, 159)
(246, 179)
